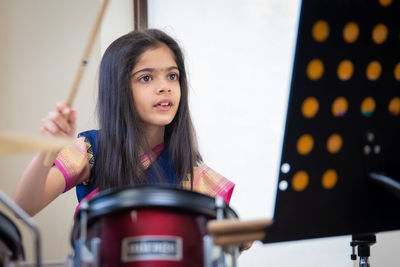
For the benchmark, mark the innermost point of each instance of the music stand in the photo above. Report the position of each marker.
(342, 136)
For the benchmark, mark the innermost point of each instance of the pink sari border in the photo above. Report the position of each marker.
(60, 167)
(157, 149)
(226, 194)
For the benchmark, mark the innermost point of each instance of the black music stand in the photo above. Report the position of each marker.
(340, 166)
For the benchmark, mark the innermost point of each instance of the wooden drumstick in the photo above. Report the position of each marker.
(231, 226)
(14, 143)
(238, 239)
(85, 57)
(81, 69)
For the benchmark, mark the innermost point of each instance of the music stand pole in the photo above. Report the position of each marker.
(363, 243)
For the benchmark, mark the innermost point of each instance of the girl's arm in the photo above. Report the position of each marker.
(39, 185)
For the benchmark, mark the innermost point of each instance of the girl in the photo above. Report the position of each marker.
(146, 134)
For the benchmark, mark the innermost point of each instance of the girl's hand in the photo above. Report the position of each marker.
(246, 246)
(60, 122)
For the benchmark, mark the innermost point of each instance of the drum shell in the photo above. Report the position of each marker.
(155, 224)
(126, 221)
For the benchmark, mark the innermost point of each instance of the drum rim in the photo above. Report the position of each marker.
(109, 209)
(152, 196)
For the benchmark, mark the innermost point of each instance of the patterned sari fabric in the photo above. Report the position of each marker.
(77, 160)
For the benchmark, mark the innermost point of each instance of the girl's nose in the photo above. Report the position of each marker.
(163, 89)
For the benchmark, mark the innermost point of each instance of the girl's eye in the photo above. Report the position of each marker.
(145, 78)
(173, 76)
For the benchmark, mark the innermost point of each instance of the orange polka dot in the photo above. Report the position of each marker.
(300, 181)
(315, 69)
(379, 33)
(329, 179)
(345, 70)
(396, 72)
(334, 143)
(368, 106)
(374, 70)
(340, 107)
(351, 31)
(320, 31)
(385, 2)
(305, 144)
(394, 106)
(310, 107)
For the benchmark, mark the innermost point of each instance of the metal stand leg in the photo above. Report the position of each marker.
(363, 243)
(29, 222)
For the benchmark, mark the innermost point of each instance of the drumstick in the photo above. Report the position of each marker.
(238, 239)
(232, 226)
(13, 143)
(81, 69)
(85, 58)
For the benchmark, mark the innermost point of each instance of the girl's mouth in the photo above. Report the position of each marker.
(164, 106)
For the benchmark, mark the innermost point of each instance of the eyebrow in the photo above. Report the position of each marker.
(154, 70)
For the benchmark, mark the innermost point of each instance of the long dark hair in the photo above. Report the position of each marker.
(120, 139)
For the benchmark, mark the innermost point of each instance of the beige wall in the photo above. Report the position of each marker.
(41, 43)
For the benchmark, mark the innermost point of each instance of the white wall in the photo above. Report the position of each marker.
(239, 56)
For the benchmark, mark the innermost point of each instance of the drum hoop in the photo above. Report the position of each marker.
(116, 200)
(154, 196)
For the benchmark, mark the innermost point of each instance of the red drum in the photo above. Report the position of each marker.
(146, 226)
(11, 250)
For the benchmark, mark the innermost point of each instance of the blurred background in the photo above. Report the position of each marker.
(239, 56)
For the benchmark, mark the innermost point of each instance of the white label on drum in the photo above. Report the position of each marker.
(151, 247)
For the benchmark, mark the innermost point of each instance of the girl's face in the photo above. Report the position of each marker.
(155, 87)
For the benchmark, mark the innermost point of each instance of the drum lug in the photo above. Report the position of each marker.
(208, 244)
(95, 245)
(85, 256)
(220, 206)
(234, 253)
(215, 256)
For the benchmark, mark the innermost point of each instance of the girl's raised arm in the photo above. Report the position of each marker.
(39, 185)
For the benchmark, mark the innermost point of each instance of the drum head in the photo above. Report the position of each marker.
(11, 237)
(110, 201)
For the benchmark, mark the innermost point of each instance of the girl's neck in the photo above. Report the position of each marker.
(154, 135)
